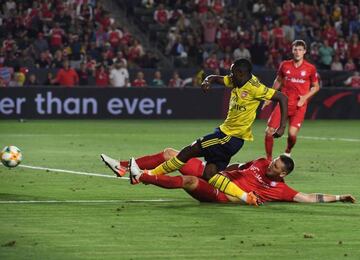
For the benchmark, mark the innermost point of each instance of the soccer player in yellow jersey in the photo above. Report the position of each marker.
(218, 148)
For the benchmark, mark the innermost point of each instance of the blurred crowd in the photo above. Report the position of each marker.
(79, 43)
(76, 35)
(213, 33)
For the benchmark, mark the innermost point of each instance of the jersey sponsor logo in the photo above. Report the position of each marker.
(238, 107)
(295, 80)
(256, 171)
(260, 179)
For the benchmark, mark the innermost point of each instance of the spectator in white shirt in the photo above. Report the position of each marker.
(119, 75)
(241, 52)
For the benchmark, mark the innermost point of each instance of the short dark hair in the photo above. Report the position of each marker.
(299, 43)
(288, 162)
(243, 64)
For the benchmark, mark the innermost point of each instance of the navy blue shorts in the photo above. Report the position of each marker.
(218, 148)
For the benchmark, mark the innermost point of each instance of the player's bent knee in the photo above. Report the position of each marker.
(170, 153)
(269, 131)
(189, 152)
(293, 131)
(190, 182)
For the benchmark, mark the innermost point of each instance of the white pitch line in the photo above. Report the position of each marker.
(79, 201)
(69, 171)
(330, 138)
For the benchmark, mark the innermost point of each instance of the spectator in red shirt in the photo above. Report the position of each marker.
(115, 36)
(341, 48)
(212, 63)
(226, 62)
(101, 76)
(203, 6)
(218, 6)
(66, 76)
(353, 81)
(350, 65)
(354, 49)
(139, 81)
(210, 26)
(56, 37)
(224, 36)
(175, 81)
(161, 15)
(329, 33)
(278, 33)
(135, 51)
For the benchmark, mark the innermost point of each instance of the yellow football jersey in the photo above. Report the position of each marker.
(242, 107)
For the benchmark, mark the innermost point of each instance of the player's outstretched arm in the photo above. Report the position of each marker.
(283, 101)
(323, 198)
(205, 85)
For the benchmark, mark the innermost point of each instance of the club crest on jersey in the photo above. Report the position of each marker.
(244, 94)
(303, 73)
(288, 72)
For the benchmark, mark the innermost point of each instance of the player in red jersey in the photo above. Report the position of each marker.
(298, 80)
(264, 177)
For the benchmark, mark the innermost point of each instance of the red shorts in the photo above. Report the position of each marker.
(204, 192)
(295, 117)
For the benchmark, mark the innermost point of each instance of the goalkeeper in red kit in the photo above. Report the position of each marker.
(264, 177)
(298, 80)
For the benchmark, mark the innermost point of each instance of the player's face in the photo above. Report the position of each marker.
(276, 168)
(298, 52)
(238, 75)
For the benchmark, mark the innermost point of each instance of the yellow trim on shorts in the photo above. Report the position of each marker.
(215, 141)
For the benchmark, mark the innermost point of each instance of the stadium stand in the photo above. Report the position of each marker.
(207, 34)
(196, 30)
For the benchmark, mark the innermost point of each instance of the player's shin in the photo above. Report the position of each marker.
(168, 182)
(169, 166)
(147, 161)
(269, 143)
(290, 143)
(225, 185)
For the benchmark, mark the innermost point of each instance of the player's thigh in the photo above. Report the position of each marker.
(296, 120)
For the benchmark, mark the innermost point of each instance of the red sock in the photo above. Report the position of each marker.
(193, 167)
(148, 161)
(290, 143)
(164, 181)
(269, 142)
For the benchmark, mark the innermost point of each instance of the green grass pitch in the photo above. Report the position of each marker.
(106, 218)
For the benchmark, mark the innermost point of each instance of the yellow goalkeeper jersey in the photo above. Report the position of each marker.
(242, 107)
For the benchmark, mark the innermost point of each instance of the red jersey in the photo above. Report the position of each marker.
(101, 78)
(296, 81)
(139, 83)
(253, 178)
(67, 78)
